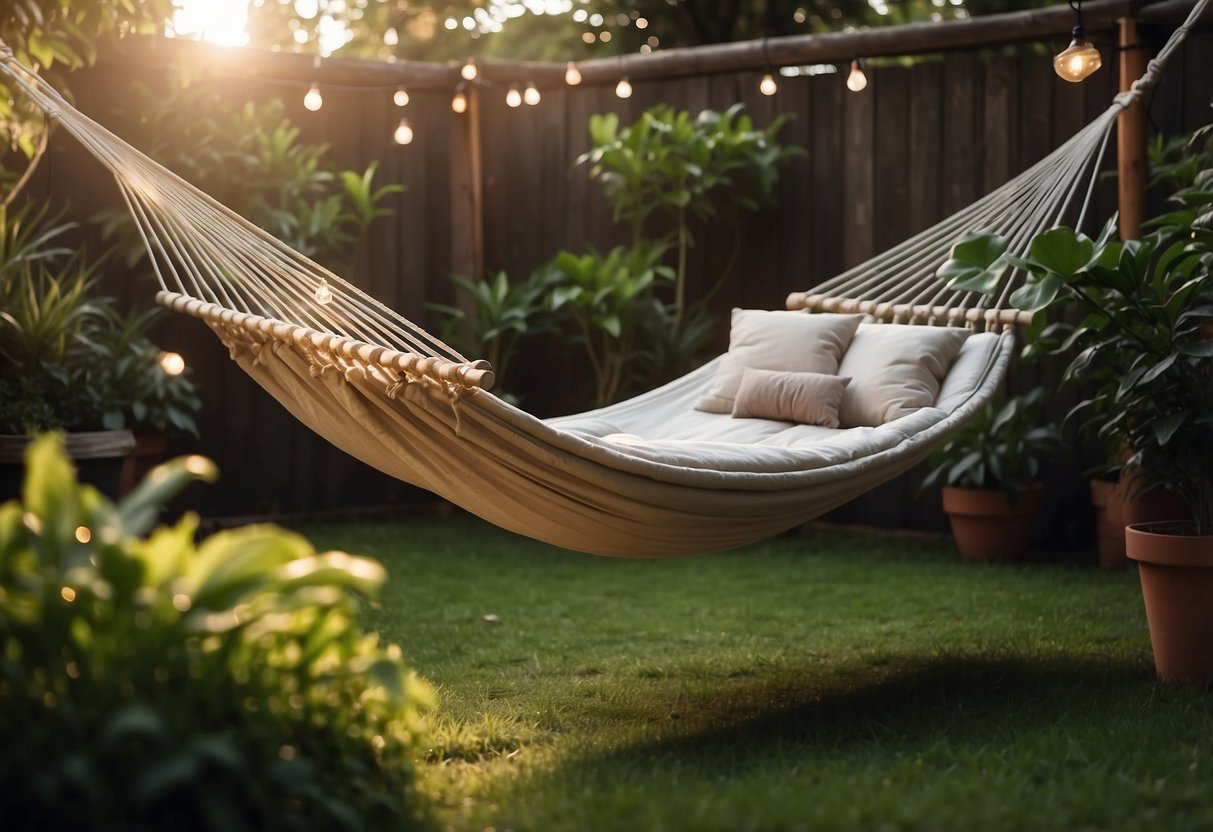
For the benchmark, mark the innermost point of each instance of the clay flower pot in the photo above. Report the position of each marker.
(1176, 570)
(986, 526)
(1108, 499)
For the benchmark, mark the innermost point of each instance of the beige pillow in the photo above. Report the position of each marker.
(895, 370)
(807, 398)
(792, 341)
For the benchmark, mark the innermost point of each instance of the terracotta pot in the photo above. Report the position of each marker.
(98, 456)
(985, 524)
(1176, 570)
(1108, 499)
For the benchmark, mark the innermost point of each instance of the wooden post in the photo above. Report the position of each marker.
(1132, 162)
(467, 191)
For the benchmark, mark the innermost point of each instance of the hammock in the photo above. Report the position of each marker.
(648, 477)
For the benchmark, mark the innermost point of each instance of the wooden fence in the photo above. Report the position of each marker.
(925, 139)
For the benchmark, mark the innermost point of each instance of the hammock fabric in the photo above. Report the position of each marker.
(648, 477)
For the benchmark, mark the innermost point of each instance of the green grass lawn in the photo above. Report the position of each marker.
(815, 681)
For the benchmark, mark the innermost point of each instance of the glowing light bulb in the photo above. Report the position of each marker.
(856, 81)
(459, 103)
(313, 100)
(324, 295)
(469, 71)
(400, 97)
(572, 75)
(1078, 60)
(531, 94)
(172, 363)
(767, 85)
(513, 98)
(404, 132)
(624, 88)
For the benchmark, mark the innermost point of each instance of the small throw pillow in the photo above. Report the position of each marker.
(807, 398)
(895, 370)
(791, 341)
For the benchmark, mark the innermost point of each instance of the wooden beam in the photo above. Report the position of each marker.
(1132, 165)
(467, 192)
(744, 56)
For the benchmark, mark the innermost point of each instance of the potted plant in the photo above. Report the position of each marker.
(1148, 318)
(988, 472)
(69, 362)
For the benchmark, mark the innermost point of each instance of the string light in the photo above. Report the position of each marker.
(531, 94)
(324, 295)
(469, 71)
(403, 134)
(856, 81)
(513, 98)
(767, 85)
(460, 102)
(401, 96)
(1080, 59)
(313, 100)
(624, 88)
(572, 75)
(172, 363)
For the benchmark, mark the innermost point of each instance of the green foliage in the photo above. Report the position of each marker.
(68, 359)
(251, 159)
(151, 683)
(1140, 330)
(708, 168)
(49, 35)
(609, 300)
(1000, 447)
(143, 396)
(503, 312)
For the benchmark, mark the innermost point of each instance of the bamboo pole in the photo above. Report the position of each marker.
(1132, 165)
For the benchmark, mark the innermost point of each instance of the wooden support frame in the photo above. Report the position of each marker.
(1132, 164)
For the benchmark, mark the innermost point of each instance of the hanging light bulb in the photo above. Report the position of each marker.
(469, 71)
(767, 85)
(856, 81)
(624, 88)
(513, 98)
(1078, 60)
(572, 75)
(313, 100)
(531, 94)
(460, 102)
(404, 132)
(324, 295)
(172, 363)
(401, 96)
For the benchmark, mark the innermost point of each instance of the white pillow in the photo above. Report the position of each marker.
(806, 398)
(791, 341)
(895, 369)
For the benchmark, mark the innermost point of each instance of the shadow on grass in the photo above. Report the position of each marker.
(965, 700)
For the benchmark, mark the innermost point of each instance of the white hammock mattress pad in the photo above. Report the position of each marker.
(663, 428)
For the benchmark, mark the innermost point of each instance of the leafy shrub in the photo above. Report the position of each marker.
(1001, 447)
(710, 167)
(251, 158)
(609, 300)
(68, 359)
(150, 683)
(503, 312)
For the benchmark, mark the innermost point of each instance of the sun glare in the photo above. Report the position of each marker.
(215, 21)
